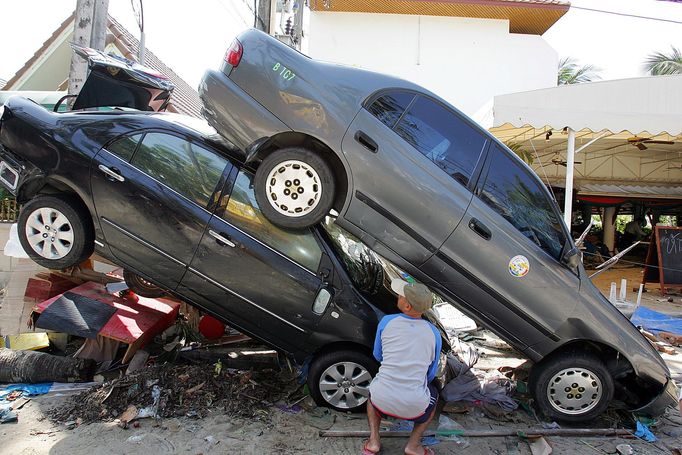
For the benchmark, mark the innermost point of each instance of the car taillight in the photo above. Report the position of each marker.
(234, 54)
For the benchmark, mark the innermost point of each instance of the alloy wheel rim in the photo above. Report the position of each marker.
(293, 188)
(574, 391)
(49, 233)
(345, 385)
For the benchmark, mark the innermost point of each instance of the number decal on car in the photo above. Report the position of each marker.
(285, 72)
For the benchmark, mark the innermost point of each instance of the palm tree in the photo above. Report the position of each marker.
(570, 73)
(525, 154)
(658, 63)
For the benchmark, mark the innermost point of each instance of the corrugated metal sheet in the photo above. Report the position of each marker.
(533, 17)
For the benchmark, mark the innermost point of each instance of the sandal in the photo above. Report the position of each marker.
(366, 451)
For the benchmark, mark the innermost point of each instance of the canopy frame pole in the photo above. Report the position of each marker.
(570, 160)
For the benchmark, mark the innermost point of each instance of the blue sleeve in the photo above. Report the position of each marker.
(433, 368)
(378, 352)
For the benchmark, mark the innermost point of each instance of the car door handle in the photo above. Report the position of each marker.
(366, 141)
(113, 173)
(221, 239)
(480, 228)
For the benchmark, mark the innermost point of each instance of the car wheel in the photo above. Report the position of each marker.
(142, 287)
(573, 387)
(294, 188)
(56, 231)
(340, 380)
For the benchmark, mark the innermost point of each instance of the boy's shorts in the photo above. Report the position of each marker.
(427, 413)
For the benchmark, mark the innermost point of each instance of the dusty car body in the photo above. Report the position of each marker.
(427, 188)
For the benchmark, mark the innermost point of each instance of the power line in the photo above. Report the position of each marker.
(626, 15)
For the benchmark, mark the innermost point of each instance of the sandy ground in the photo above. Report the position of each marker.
(284, 433)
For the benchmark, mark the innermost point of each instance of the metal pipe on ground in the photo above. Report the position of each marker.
(488, 433)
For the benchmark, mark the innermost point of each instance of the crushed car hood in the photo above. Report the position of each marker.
(114, 81)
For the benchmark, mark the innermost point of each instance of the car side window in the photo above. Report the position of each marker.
(241, 209)
(520, 198)
(388, 108)
(187, 168)
(443, 137)
(124, 147)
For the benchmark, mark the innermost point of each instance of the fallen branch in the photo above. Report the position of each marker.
(487, 433)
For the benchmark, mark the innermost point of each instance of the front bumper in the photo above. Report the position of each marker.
(659, 404)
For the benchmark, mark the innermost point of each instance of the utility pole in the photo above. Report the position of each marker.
(298, 24)
(90, 30)
(263, 20)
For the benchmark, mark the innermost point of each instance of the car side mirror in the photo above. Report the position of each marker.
(572, 258)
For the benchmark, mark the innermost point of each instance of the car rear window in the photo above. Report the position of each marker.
(388, 108)
(520, 198)
(443, 137)
(124, 147)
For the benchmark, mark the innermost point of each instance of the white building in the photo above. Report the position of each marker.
(466, 51)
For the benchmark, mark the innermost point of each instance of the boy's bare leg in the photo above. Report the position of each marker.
(414, 446)
(374, 419)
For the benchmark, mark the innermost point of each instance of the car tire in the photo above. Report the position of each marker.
(142, 287)
(574, 387)
(294, 188)
(355, 368)
(56, 231)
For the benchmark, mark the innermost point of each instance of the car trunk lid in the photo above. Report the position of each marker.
(114, 81)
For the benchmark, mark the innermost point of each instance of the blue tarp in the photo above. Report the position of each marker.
(653, 321)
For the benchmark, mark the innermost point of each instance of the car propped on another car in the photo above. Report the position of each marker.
(428, 189)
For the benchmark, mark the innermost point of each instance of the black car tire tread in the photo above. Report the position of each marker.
(73, 209)
(142, 287)
(542, 373)
(326, 179)
(324, 361)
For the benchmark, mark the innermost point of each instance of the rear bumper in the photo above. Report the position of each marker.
(235, 114)
(659, 404)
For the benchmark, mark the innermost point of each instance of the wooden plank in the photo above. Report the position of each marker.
(488, 433)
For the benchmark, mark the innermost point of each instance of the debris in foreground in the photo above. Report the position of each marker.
(180, 390)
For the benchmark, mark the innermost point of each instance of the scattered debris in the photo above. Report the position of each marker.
(179, 390)
(624, 449)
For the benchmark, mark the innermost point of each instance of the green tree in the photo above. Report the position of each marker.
(571, 73)
(658, 63)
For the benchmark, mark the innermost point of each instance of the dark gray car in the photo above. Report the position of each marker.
(424, 186)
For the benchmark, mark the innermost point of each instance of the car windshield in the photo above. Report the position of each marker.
(363, 265)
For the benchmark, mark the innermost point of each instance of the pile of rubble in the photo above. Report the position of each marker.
(179, 390)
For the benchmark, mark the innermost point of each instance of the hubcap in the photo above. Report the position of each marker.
(49, 233)
(293, 188)
(345, 385)
(574, 391)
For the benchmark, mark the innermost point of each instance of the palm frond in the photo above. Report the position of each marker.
(659, 64)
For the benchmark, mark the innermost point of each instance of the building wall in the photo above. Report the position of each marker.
(466, 61)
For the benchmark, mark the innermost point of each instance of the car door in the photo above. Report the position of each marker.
(504, 260)
(260, 278)
(152, 192)
(412, 159)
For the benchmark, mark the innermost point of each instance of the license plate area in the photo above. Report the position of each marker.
(8, 175)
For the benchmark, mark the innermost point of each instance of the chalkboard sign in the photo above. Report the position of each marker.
(669, 244)
(664, 258)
